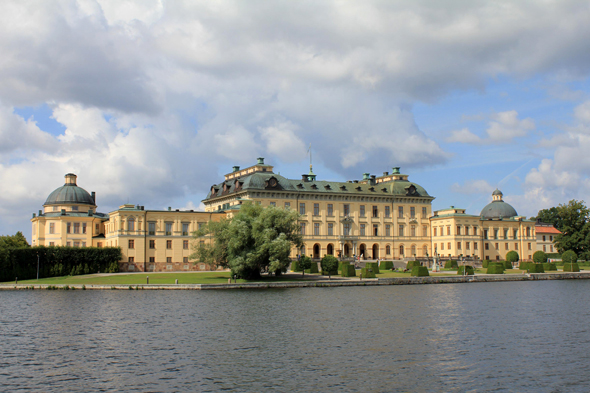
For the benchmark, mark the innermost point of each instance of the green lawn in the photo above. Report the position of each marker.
(155, 278)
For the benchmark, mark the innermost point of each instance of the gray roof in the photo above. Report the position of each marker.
(261, 181)
(69, 193)
(498, 209)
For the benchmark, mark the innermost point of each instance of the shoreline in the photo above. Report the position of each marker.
(314, 283)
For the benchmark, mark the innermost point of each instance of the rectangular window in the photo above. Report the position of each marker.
(495, 233)
(330, 229)
(375, 211)
(83, 244)
(131, 243)
(474, 246)
(152, 244)
(316, 228)
(68, 244)
(346, 209)
(401, 230)
(506, 246)
(83, 227)
(424, 212)
(467, 245)
(75, 208)
(516, 246)
(51, 227)
(77, 244)
(544, 249)
(152, 259)
(505, 233)
(485, 233)
(200, 225)
(543, 237)
(151, 228)
(169, 244)
(434, 231)
(496, 246)
(375, 230)
(302, 208)
(185, 259)
(168, 259)
(273, 203)
(442, 246)
(529, 246)
(316, 209)
(362, 211)
(346, 228)
(99, 244)
(131, 259)
(76, 227)
(466, 230)
(330, 210)
(185, 244)
(515, 234)
(387, 230)
(302, 228)
(185, 229)
(551, 248)
(413, 230)
(51, 244)
(168, 228)
(387, 212)
(458, 230)
(362, 229)
(551, 238)
(412, 212)
(400, 211)
(474, 231)
(287, 205)
(448, 230)
(528, 231)
(458, 245)
(96, 228)
(449, 245)
(424, 231)
(487, 246)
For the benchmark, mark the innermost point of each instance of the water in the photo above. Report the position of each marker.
(479, 337)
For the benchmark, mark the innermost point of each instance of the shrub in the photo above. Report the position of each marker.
(386, 265)
(295, 266)
(305, 263)
(536, 268)
(571, 267)
(367, 273)
(548, 266)
(512, 256)
(485, 263)
(410, 265)
(419, 271)
(524, 265)
(313, 268)
(374, 266)
(569, 257)
(539, 257)
(450, 264)
(495, 268)
(348, 271)
(329, 265)
(507, 264)
(469, 271)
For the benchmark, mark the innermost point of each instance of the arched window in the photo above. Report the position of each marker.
(425, 250)
(388, 250)
(131, 224)
(401, 250)
(413, 250)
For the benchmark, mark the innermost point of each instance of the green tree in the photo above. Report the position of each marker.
(539, 257)
(305, 263)
(329, 265)
(17, 240)
(254, 240)
(512, 257)
(569, 257)
(573, 220)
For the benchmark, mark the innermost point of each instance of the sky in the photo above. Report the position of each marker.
(151, 102)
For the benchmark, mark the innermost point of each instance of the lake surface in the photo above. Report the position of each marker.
(479, 337)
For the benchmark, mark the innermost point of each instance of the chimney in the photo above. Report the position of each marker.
(71, 179)
(40, 213)
(236, 168)
(93, 195)
(169, 208)
(90, 212)
(366, 176)
(395, 170)
(34, 215)
(385, 173)
(373, 179)
(63, 212)
(260, 160)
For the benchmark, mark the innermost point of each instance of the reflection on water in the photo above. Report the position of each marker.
(455, 337)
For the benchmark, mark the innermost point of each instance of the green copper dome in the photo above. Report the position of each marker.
(70, 193)
(497, 208)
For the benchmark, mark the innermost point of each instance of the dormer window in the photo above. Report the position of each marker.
(372, 189)
(300, 186)
(384, 189)
(327, 187)
(359, 188)
(343, 188)
(314, 186)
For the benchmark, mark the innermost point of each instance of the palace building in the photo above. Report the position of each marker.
(385, 217)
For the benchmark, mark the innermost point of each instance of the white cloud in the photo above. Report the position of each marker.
(463, 136)
(473, 187)
(282, 141)
(503, 128)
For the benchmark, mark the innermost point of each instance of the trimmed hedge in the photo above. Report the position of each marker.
(57, 261)
(469, 271)
(549, 266)
(374, 266)
(451, 264)
(569, 257)
(386, 265)
(539, 257)
(507, 264)
(348, 271)
(410, 265)
(567, 267)
(495, 268)
(419, 271)
(295, 266)
(367, 273)
(485, 263)
(536, 268)
(524, 265)
(313, 269)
